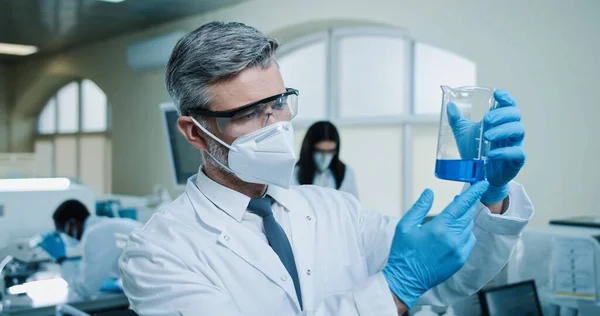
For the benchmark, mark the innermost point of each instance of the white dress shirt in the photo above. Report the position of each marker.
(205, 254)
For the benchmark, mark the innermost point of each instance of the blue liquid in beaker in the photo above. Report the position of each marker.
(463, 170)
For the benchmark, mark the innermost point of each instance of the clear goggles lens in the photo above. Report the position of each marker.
(259, 115)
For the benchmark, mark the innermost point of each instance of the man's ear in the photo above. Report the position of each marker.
(191, 132)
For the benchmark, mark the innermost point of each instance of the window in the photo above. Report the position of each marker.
(382, 90)
(67, 99)
(305, 69)
(47, 119)
(371, 78)
(73, 139)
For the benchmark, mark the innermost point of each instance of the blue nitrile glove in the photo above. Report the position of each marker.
(422, 257)
(53, 244)
(505, 132)
(111, 286)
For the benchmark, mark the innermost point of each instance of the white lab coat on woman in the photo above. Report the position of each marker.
(206, 255)
(101, 246)
(327, 180)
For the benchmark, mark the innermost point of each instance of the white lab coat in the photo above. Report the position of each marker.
(101, 246)
(197, 257)
(325, 179)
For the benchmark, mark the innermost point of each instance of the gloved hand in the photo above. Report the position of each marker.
(505, 132)
(422, 257)
(53, 244)
(111, 286)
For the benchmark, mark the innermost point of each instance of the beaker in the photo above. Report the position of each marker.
(462, 150)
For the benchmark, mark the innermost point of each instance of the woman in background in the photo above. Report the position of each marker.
(319, 162)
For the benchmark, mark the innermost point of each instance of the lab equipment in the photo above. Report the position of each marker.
(99, 305)
(491, 148)
(581, 221)
(568, 277)
(129, 212)
(185, 158)
(107, 208)
(462, 150)
(69, 310)
(144, 206)
(509, 300)
(410, 271)
(15, 272)
(26, 209)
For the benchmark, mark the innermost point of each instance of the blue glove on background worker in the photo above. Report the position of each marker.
(53, 244)
(111, 286)
(422, 257)
(504, 130)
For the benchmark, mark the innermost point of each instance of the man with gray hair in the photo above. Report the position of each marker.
(242, 241)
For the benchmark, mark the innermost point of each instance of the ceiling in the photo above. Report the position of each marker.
(57, 25)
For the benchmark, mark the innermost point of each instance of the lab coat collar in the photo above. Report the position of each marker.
(233, 202)
(282, 196)
(229, 201)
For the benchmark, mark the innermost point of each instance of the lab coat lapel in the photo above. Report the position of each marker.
(243, 242)
(255, 251)
(303, 227)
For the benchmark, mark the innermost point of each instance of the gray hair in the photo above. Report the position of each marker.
(213, 53)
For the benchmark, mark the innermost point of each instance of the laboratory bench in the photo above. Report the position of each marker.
(96, 305)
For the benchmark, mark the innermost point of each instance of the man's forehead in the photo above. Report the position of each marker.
(248, 86)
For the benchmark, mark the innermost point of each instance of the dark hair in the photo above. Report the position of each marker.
(320, 131)
(71, 209)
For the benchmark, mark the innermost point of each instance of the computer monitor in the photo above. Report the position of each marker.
(185, 158)
(509, 300)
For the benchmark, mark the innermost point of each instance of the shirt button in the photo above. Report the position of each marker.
(308, 272)
(226, 238)
(284, 278)
(308, 218)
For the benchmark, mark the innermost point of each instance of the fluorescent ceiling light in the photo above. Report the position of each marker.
(17, 49)
(113, 1)
(34, 184)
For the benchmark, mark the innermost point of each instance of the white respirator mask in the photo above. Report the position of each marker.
(265, 156)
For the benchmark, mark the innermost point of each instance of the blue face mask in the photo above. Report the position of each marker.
(322, 160)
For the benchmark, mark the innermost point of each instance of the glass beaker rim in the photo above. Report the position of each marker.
(468, 88)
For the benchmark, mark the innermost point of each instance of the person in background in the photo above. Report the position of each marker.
(320, 163)
(101, 242)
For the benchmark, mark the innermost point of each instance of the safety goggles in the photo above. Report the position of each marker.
(251, 117)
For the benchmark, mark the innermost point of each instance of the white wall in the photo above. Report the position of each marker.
(544, 51)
